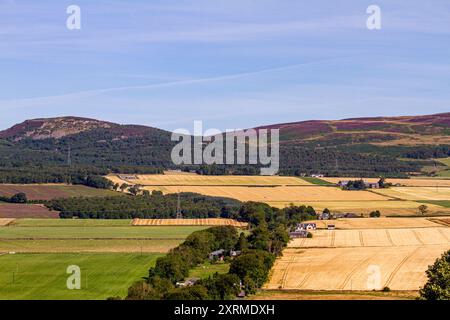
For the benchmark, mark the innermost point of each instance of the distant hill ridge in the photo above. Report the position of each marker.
(370, 146)
(402, 129)
(59, 127)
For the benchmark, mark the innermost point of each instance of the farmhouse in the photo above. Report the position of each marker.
(343, 183)
(324, 216)
(306, 226)
(369, 185)
(372, 185)
(217, 255)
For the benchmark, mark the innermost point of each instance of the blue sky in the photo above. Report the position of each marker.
(229, 63)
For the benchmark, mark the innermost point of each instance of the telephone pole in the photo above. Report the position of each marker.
(179, 214)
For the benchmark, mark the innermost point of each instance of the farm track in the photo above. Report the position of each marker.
(444, 235)
(398, 267)
(416, 235)
(388, 235)
(361, 238)
(355, 269)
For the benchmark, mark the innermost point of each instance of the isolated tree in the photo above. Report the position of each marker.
(116, 186)
(438, 285)
(423, 209)
(123, 187)
(375, 214)
(19, 198)
(146, 193)
(326, 210)
(157, 193)
(134, 190)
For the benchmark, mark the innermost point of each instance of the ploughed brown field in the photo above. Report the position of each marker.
(348, 259)
(16, 210)
(189, 222)
(52, 191)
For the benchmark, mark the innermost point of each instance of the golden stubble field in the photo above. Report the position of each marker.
(189, 222)
(416, 193)
(182, 179)
(5, 221)
(413, 182)
(350, 259)
(281, 192)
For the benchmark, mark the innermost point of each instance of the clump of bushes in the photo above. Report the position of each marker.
(375, 214)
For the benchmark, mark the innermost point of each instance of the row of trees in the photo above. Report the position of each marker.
(155, 205)
(17, 198)
(248, 271)
(89, 176)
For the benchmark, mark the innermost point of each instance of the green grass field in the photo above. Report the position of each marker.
(207, 269)
(84, 191)
(72, 222)
(445, 161)
(442, 203)
(97, 232)
(80, 235)
(43, 276)
(88, 246)
(317, 181)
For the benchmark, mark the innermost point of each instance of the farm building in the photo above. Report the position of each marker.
(369, 185)
(306, 226)
(298, 234)
(217, 255)
(343, 183)
(187, 282)
(324, 216)
(235, 253)
(372, 185)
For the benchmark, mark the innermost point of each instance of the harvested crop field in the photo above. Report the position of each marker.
(416, 193)
(374, 238)
(189, 222)
(52, 191)
(16, 210)
(401, 268)
(5, 222)
(333, 295)
(445, 222)
(346, 259)
(277, 194)
(415, 182)
(202, 180)
(387, 207)
(377, 223)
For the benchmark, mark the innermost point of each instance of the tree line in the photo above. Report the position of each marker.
(147, 205)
